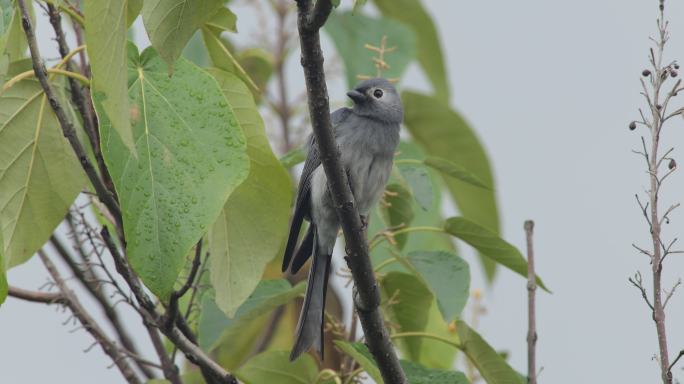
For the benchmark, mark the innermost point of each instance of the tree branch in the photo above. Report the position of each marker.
(185, 344)
(366, 297)
(67, 127)
(108, 346)
(36, 297)
(81, 98)
(531, 307)
(94, 288)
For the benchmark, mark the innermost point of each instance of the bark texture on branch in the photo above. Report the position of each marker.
(366, 294)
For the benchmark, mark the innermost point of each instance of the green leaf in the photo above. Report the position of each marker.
(360, 353)
(411, 312)
(196, 51)
(415, 373)
(12, 38)
(133, 11)
(489, 244)
(214, 325)
(350, 32)
(275, 367)
(258, 64)
(191, 156)
(456, 171)
(489, 363)
(223, 20)
(222, 58)
(3, 267)
(447, 276)
(250, 231)
(418, 374)
(430, 56)
(358, 4)
(106, 28)
(443, 133)
(335, 3)
(399, 210)
(40, 176)
(171, 23)
(419, 181)
(294, 157)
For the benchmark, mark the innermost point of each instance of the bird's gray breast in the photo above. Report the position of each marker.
(367, 151)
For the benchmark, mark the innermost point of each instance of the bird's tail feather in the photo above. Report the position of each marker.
(311, 319)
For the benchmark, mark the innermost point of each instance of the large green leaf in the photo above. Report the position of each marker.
(489, 244)
(443, 133)
(454, 170)
(106, 27)
(171, 23)
(411, 311)
(360, 353)
(430, 56)
(12, 37)
(491, 365)
(133, 11)
(418, 374)
(222, 20)
(350, 32)
(250, 230)
(214, 325)
(191, 155)
(418, 180)
(3, 267)
(39, 175)
(275, 367)
(447, 276)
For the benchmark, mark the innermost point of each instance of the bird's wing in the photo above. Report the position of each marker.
(302, 209)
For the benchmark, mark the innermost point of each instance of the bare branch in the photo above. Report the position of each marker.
(531, 307)
(108, 346)
(36, 297)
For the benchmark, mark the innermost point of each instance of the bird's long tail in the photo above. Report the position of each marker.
(311, 319)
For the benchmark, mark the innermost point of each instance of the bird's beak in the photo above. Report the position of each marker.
(356, 96)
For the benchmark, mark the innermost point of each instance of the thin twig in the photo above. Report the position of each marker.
(367, 297)
(108, 346)
(531, 307)
(93, 287)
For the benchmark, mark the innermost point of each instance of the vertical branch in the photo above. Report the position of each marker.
(531, 310)
(366, 296)
(657, 99)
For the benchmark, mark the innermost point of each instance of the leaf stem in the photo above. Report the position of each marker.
(380, 239)
(52, 71)
(427, 335)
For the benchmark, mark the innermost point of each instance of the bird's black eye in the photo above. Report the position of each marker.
(377, 93)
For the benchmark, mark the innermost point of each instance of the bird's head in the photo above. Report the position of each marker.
(377, 99)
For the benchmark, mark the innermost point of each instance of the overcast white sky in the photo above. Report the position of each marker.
(550, 87)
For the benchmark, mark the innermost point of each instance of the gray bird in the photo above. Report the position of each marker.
(367, 136)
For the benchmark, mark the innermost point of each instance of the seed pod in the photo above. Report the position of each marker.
(672, 164)
(646, 73)
(673, 73)
(632, 125)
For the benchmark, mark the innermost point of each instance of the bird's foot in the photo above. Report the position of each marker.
(364, 222)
